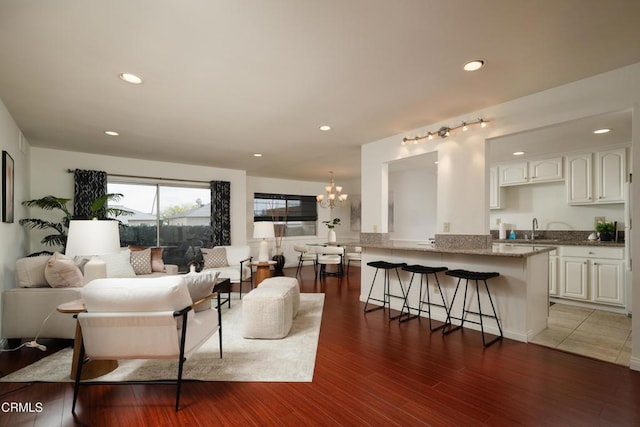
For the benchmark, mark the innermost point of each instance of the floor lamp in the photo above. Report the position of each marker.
(263, 230)
(93, 238)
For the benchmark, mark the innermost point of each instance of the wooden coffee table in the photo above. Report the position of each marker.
(91, 368)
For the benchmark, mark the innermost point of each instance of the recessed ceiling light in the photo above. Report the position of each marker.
(604, 130)
(325, 127)
(257, 154)
(111, 133)
(474, 65)
(518, 153)
(130, 78)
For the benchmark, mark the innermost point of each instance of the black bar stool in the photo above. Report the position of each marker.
(424, 272)
(476, 276)
(386, 298)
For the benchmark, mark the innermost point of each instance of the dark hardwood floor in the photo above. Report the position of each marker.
(369, 371)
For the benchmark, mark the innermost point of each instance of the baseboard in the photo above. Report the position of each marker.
(634, 364)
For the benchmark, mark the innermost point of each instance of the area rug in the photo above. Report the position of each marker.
(291, 359)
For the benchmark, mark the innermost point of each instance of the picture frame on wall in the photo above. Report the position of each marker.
(8, 175)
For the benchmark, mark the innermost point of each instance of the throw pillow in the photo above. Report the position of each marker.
(157, 264)
(214, 258)
(30, 272)
(119, 264)
(141, 261)
(81, 262)
(200, 285)
(62, 272)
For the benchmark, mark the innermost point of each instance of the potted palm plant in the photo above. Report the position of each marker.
(58, 236)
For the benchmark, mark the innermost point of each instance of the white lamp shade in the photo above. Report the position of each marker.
(92, 237)
(263, 230)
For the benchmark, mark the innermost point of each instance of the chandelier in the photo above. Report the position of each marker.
(334, 197)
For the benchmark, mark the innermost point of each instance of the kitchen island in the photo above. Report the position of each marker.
(520, 293)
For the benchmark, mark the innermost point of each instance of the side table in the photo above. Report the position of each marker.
(263, 271)
(91, 368)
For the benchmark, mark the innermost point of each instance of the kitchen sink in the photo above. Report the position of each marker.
(529, 241)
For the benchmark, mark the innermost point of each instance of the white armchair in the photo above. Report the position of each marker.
(143, 319)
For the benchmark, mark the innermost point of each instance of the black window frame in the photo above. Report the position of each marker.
(307, 211)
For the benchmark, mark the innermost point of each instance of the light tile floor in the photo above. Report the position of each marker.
(593, 333)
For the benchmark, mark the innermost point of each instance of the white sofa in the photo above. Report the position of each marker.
(238, 268)
(29, 310)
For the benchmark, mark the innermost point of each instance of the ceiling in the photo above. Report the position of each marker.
(574, 135)
(226, 79)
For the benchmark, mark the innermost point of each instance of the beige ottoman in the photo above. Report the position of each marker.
(288, 283)
(267, 313)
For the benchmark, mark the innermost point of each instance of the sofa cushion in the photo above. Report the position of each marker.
(119, 264)
(157, 263)
(214, 258)
(236, 253)
(30, 272)
(167, 293)
(62, 272)
(141, 261)
(200, 285)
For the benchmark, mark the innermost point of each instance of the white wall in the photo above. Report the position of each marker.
(12, 235)
(523, 203)
(49, 176)
(463, 176)
(414, 195)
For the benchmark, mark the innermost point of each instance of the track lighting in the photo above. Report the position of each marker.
(444, 131)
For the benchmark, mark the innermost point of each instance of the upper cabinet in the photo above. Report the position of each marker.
(545, 170)
(610, 176)
(531, 172)
(495, 192)
(596, 178)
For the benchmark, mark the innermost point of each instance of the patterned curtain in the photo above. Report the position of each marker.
(221, 213)
(88, 186)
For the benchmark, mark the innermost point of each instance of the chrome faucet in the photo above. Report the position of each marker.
(534, 225)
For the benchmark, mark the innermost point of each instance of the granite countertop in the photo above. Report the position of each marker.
(560, 242)
(500, 249)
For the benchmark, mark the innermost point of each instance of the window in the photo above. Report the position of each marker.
(175, 217)
(294, 215)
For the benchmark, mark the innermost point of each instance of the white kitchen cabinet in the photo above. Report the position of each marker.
(610, 176)
(495, 192)
(553, 273)
(514, 173)
(545, 170)
(573, 282)
(592, 274)
(579, 179)
(607, 281)
(599, 183)
(531, 172)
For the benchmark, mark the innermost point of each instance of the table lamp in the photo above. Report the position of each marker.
(93, 238)
(263, 230)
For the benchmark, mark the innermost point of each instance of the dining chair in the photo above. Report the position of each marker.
(356, 255)
(305, 256)
(330, 255)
